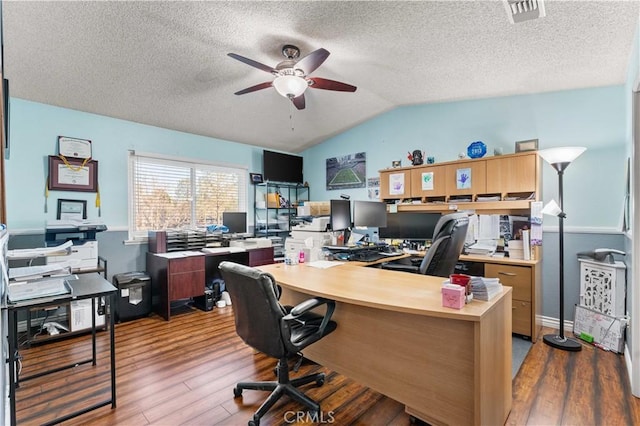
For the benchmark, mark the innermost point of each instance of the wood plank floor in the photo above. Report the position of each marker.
(183, 372)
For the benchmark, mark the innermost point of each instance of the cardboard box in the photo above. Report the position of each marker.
(318, 208)
(80, 315)
(273, 200)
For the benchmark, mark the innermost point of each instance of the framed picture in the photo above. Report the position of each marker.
(396, 163)
(74, 147)
(72, 209)
(530, 145)
(72, 174)
(255, 177)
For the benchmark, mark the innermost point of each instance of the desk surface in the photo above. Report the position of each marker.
(447, 366)
(378, 288)
(85, 286)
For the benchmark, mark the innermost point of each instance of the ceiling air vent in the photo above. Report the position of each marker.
(524, 10)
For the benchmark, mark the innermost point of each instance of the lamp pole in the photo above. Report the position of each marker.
(560, 341)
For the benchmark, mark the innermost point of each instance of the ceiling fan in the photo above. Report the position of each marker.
(292, 75)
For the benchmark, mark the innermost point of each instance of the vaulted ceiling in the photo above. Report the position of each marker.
(165, 63)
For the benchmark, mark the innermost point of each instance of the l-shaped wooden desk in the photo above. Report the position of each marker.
(447, 366)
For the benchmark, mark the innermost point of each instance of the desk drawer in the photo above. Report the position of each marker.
(521, 317)
(186, 264)
(187, 284)
(518, 277)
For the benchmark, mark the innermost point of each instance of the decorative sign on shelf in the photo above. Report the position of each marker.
(477, 149)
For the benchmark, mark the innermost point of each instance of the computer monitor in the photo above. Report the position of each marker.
(340, 218)
(369, 214)
(235, 221)
(409, 226)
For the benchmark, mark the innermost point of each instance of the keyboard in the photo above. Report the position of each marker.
(369, 256)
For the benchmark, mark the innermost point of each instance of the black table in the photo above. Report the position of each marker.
(86, 286)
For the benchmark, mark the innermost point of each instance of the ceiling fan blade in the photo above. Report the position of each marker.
(326, 84)
(312, 61)
(253, 63)
(254, 88)
(299, 101)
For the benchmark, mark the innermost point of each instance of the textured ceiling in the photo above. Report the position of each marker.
(165, 63)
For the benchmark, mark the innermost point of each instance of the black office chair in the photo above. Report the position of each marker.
(276, 330)
(446, 245)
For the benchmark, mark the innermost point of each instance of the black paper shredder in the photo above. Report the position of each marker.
(133, 297)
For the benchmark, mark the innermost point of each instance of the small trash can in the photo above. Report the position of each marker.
(134, 295)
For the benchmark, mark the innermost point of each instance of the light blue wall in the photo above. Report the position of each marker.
(34, 130)
(594, 118)
(593, 184)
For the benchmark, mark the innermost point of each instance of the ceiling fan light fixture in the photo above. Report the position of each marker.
(290, 86)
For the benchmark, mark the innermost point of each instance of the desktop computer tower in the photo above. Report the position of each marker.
(205, 302)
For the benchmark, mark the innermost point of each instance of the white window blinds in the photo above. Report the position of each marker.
(180, 194)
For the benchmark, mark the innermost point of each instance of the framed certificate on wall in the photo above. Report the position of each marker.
(72, 174)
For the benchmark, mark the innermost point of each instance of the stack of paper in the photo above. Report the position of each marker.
(483, 247)
(485, 288)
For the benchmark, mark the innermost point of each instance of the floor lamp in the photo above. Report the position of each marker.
(560, 158)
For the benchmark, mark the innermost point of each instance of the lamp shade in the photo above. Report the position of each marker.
(290, 86)
(561, 155)
(552, 209)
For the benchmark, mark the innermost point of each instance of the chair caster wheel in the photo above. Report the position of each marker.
(320, 381)
(254, 422)
(237, 392)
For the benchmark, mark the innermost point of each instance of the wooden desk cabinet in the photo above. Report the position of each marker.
(175, 278)
(527, 302)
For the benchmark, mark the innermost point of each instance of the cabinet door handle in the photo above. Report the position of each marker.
(509, 274)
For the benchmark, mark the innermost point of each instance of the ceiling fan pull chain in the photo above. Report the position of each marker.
(291, 115)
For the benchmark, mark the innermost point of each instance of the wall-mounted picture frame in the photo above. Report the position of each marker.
(256, 177)
(74, 147)
(72, 174)
(71, 209)
(528, 145)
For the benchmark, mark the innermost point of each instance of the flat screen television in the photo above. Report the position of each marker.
(235, 221)
(280, 167)
(409, 226)
(369, 214)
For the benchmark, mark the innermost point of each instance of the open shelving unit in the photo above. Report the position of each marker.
(275, 211)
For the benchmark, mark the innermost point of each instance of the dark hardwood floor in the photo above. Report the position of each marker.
(183, 372)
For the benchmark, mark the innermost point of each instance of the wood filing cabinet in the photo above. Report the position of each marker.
(174, 279)
(524, 280)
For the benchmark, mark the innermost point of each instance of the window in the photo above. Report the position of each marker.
(181, 194)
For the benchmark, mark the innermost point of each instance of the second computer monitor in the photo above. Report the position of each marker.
(340, 218)
(369, 214)
(410, 225)
(235, 221)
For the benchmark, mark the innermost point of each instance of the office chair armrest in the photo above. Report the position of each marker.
(400, 267)
(298, 312)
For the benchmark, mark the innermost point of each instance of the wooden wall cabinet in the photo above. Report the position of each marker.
(511, 178)
(475, 173)
(429, 182)
(513, 174)
(395, 184)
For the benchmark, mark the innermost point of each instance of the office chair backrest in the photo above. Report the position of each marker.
(446, 245)
(257, 312)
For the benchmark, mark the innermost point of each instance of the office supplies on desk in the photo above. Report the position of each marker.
(46, 287)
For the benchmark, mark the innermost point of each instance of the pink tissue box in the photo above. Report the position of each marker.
(453, 297)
